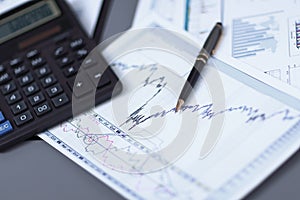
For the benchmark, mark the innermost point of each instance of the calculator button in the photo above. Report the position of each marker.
(36, 99)
(8, 88)
(89, 62)
(43, 71)
(77, 43)
(20, 70)
(81, 53)
(5, 127)
(2, 118)
(65, 61)
(49, 80)
(4, 78)
(81, 85)
(42, 109)
(19, 107)
(97, 78)
(32, 53)
(31, 89)
(54, 90)
(23, 118)
(60, 100)
(39, 61)
(59, 51)
(13, 98)
(2, 68)
(70, 71)
(16, 61)
(26, 79)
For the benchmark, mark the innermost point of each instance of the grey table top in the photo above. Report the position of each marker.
(34, 170)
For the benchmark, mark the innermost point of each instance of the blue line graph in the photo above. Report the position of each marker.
(167, 183)
(253, 35)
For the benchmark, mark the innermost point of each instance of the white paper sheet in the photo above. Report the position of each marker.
(264, 34)
(252, 142)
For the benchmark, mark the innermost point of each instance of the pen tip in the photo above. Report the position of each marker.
(179, 104)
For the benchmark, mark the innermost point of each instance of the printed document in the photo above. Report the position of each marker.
(229, 136)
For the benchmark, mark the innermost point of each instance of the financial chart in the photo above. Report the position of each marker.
(266, 37)
(254, 35)
(131, 146)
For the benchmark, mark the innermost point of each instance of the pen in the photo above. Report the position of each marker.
(201, 60)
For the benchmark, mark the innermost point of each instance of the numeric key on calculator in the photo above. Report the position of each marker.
(13, 98)
(43, 71)
(8, 88)
(49, 80)
(54, 90)
(31, 89)
(18, 107)
(42, 109)
(23, 118)
(36, 99)
(26, 79)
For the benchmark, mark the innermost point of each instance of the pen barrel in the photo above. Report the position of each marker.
(192, 78)
(201, 61)
(213, 38)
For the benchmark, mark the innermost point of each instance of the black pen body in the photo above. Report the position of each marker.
(193, 77)
(201, 61)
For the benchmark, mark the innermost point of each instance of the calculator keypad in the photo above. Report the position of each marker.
(43, 80)
(30, 87)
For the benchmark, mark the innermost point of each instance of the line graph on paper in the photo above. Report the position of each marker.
(133, 136)
(114, 142)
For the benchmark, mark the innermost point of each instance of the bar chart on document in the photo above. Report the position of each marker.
(255, 35)
(266, 35)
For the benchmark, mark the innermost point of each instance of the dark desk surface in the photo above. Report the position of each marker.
(34, 170)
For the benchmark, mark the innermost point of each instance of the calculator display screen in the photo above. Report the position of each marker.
(27, 19)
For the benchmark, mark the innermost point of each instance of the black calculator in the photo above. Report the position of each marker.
(43, 49)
